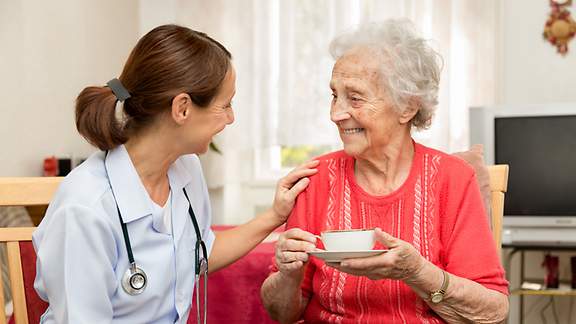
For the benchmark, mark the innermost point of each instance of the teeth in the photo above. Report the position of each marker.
(352, 130)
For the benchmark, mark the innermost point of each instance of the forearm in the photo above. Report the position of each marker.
(282, 297)
(465, 301)
(230, 245)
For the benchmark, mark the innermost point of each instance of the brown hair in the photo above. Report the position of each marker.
(167, 61)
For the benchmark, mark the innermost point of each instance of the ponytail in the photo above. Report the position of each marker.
(96, 118)
(167, 61)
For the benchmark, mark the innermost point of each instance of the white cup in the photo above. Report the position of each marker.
(348, 240)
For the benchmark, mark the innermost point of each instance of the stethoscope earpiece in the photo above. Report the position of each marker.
(134, 281)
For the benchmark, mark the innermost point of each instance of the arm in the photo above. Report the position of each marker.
(465, 301)
(232, 244)
(76, 254)
(283, 298)
(475, 294)
(281, 292)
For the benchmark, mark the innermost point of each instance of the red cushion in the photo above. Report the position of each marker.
(36, 306)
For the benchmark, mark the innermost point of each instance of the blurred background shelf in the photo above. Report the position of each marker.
(563, 290)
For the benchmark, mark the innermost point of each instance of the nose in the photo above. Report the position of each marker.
(339, 111)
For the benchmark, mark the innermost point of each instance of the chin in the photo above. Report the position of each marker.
(203, 150)
(353, 150)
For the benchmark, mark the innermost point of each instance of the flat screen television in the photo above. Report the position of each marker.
(539, 144)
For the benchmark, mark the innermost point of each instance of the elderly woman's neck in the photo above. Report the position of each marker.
(385, 170)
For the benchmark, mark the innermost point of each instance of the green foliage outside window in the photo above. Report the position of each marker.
(296, 155)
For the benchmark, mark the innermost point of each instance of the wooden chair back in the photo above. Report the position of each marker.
(26, 191)
(498, 186)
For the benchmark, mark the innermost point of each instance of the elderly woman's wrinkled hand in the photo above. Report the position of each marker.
(291, 251)
(401, 262)
(290, 186)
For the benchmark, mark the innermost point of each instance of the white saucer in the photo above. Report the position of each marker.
(337, 256)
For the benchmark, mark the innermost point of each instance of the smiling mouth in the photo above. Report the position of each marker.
(352, 130)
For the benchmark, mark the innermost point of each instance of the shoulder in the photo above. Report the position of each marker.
(331, 169)
(447, 165)
(332, 161)
(85, 185)
(81, 197)
(329, 166)
(333, 156)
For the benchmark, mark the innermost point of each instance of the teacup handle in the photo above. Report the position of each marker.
(320, 239)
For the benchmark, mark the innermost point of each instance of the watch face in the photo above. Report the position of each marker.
(436, 297)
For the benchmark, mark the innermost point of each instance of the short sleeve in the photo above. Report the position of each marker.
(76, 256)
(469, 248)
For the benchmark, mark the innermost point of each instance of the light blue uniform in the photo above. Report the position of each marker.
(81, 252)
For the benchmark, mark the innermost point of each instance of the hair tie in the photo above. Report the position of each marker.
(118, 89)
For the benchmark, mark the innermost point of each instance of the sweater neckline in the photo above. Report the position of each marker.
(383, 199)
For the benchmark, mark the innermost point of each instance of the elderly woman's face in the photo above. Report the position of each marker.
(361, 106)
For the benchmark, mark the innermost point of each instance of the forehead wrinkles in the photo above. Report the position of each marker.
(367, 79)
(358, 67)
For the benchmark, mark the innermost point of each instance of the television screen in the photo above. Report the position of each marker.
(541, 152)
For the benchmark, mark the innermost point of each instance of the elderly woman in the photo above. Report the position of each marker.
(441, 265)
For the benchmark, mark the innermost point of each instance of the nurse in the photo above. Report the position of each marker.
(128, 232)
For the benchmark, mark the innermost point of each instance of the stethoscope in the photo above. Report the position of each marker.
(134, 280)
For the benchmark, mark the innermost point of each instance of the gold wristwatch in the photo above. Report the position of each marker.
(438, 295)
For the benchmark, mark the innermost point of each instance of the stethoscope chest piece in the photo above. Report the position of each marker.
(134, 280)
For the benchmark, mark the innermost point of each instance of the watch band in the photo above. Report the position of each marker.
(438, 295)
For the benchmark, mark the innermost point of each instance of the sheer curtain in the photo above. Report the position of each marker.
(462, 31)
(280, 50)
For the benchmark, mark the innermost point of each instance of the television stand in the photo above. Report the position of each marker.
(520, 248)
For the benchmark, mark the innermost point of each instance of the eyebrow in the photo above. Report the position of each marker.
(348, 87)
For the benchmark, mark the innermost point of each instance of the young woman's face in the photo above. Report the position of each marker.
(211, 120)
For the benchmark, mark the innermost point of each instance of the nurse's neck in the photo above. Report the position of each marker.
(152, 156)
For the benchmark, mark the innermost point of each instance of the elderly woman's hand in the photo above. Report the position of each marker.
(290, 186)
(291, 248)
(401, 262)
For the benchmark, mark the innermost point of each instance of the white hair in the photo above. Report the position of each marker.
(410, 67)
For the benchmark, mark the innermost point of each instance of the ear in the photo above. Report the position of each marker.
(410, 110)
(181, 108)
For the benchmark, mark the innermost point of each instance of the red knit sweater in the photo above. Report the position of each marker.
(438, 210)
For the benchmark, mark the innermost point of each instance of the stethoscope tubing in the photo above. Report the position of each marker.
(200, 263)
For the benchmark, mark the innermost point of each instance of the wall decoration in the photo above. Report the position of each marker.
(560, 27)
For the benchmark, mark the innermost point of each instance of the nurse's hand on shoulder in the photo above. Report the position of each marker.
(290, 186)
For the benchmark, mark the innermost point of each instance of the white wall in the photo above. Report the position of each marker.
(50, 51)
(530, 70)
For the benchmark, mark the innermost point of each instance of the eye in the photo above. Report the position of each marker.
(355, 99)
(334, 97)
